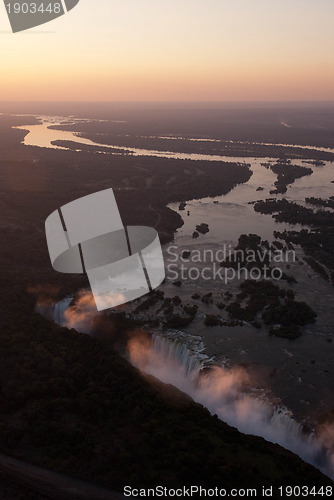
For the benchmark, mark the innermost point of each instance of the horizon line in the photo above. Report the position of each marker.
(310, 101)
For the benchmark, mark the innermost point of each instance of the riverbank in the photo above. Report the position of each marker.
(70, 403)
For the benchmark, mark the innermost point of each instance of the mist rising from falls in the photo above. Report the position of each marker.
(172, 351)
(59, 312)
(223, 392)
(79, 315)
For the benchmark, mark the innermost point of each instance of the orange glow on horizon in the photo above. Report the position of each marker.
(215, 51)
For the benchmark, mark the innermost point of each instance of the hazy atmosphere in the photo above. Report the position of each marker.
(156, 50)
(166, 249)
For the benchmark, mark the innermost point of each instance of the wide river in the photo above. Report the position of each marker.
(300, 372)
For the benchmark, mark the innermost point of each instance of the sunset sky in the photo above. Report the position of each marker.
(173, 50)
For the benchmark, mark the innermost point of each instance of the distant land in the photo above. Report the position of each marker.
(70, 402)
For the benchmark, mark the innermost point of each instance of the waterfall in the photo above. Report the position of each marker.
(80, 315)
(177, 359)
(177, 352)
(59, 311)
(226, 393)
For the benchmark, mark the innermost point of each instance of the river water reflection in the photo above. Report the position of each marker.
(300, 372)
